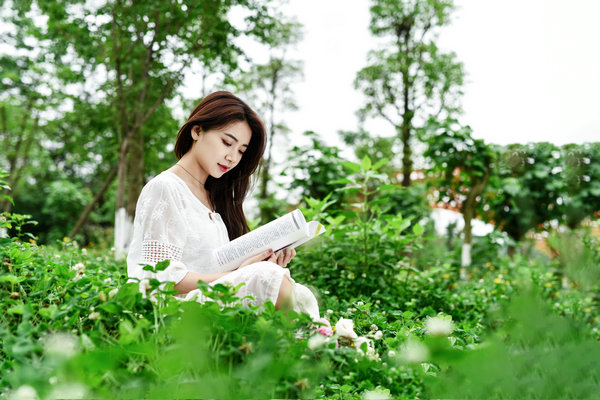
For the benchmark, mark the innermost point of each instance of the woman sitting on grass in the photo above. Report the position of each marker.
(195, 206)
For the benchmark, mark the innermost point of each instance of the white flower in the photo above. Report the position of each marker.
(112, 293)
(61, 344)
(377, 394)
(145, 285)
(84, 251)
(391, 354)
(94, 315)
(102, 296)
(316, 341)
(378, 335)
(345, 328)
(69, 391)
(359, 341)
(373, 327)
(79, 268)
(24, 392)
(370, 352)
(439, 326)
(329, 312)
(414, 352)
(360, 303)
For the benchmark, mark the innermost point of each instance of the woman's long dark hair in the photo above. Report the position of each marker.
(227, 193)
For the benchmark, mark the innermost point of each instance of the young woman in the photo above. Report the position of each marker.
(196, 206)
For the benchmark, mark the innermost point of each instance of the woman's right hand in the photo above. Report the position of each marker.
(261, 257)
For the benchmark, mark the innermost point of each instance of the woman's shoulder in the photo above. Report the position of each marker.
(164, 182)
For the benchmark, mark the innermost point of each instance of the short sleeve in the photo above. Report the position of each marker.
(159, 233)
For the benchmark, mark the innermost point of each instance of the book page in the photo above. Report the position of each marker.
(314, 230)
(274, 235)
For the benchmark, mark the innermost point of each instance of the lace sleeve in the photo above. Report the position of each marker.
(160, 229)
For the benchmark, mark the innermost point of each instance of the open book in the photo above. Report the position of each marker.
(290, 230)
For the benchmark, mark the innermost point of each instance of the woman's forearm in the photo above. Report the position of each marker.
(190, 281)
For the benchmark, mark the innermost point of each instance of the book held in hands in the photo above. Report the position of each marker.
(290, 230)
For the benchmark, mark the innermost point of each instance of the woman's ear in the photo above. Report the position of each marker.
(196, 132)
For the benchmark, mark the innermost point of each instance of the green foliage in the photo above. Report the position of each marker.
(316, 169)
(409, 79)
(534, 354)
(71, 322)
(526, 188)
(367, 247)
(581, 171)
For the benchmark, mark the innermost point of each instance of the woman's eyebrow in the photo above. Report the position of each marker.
(234, 138)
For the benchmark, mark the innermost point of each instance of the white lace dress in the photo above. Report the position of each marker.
(171, 223)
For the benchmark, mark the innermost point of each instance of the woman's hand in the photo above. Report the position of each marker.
(281, 258)
(261, 257)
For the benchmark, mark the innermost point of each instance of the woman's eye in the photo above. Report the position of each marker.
(226, 143)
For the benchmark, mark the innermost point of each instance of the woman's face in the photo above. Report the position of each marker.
(218, 151)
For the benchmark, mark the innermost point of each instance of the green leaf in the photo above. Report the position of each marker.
(11, 279)
(365, 164)
(380, 163)
(354, 167)
(417, 229)
(49, 312)
(18, 309)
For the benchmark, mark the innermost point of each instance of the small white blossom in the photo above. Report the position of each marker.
(360, 303)
(373, 327)
(145, 285)
(84, 251)
(345, 328)
(112, 293)
(316, 341)
(391, 354)
(378, 335)
(377, 394)
(414, 352)
(94, 315)
(329, 312)
(79, 268)
(439, 326)
(24, 392)
(370, 352)
(61, 344)
(102, 296)
(69, 391)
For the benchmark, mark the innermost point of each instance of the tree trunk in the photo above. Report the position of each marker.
(132, 168)
(266, 168)
(135, 173)
(86, 213)
(121, 224)
(469, 209)
(405, 128)
(465, 259)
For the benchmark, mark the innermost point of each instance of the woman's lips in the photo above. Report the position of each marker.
(223, 168)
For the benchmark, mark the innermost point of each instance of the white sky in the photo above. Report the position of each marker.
(533, 68)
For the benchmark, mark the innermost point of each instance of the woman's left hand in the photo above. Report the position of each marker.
(282, 257)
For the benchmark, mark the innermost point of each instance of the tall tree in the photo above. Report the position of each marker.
(27, 94)
(524, 194)
(410, 79)
(461, 167)
(581, 170)
(136, 53)
(268, 87)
